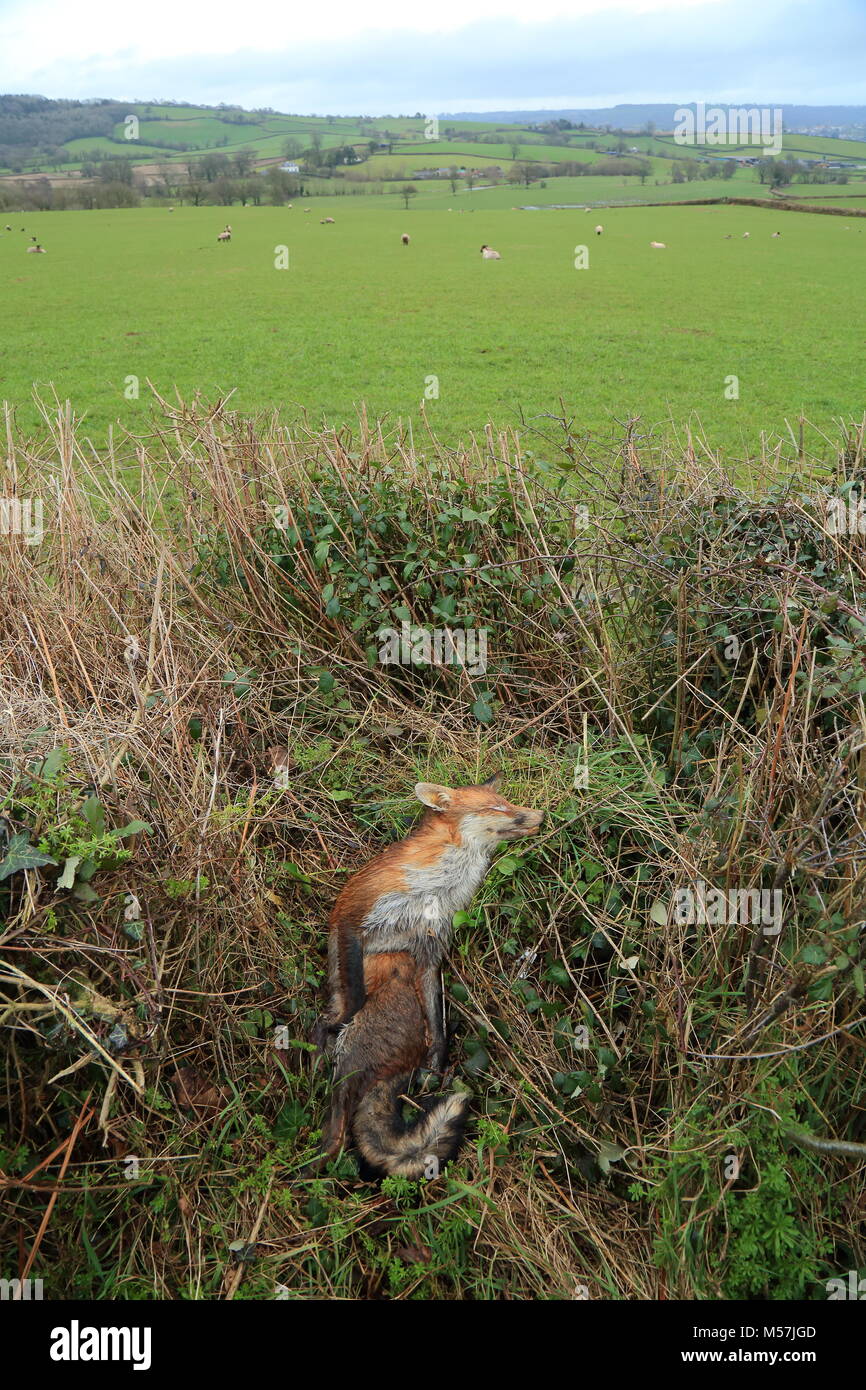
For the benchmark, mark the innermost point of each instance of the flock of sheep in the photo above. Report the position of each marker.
(35, 249)
(487, 252)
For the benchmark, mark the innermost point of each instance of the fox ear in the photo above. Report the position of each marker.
(431, 794)
(493, 781)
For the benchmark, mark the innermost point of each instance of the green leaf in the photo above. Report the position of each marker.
(326, 683)
(85, 894)
(135, 827)
(482, 711)
(52, 764)
(813, 955)
(21, 855)
(94, 815)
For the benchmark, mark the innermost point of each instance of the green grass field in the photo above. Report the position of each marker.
(359, 319)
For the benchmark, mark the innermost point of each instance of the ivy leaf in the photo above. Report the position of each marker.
(21, 855)
(482, 711)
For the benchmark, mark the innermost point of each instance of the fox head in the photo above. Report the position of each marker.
(479, 815)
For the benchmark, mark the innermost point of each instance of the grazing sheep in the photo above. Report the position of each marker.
(599, 229)
(745, 234)
(8, 228)
(326, 221)
(224, 236)
(728, 236)
(658, 245)
(776, 233)
(489, 254)
(405, 239)
(36, 250)
(171, 209)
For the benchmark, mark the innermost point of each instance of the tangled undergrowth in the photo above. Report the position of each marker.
(658, 1006)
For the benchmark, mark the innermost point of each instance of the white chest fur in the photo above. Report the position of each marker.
(419, 919)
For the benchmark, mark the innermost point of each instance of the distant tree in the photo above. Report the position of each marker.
(292, 147)
(515, 149)
(407, 192)
(213, 166)
(116, 171)
(280, 186)
(250, 190)
(195, 189)
(243, 162)
(527, 173)
(168, 174)
(224, 192)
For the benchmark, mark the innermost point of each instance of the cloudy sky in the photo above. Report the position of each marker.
(392, 56)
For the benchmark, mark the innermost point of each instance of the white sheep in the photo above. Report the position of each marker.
(489, 254)
(405, 238)
(745, 234)
(599, 229)
(658, 245)
(326, 220)
(224, 236)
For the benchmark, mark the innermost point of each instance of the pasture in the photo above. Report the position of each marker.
(359, 320)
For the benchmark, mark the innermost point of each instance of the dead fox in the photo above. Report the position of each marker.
(389, 932)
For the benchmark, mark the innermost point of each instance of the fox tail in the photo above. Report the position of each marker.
(415, 1151)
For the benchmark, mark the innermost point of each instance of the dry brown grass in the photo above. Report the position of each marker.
(158, 576)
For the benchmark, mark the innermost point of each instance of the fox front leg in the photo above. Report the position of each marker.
(432, 1004)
